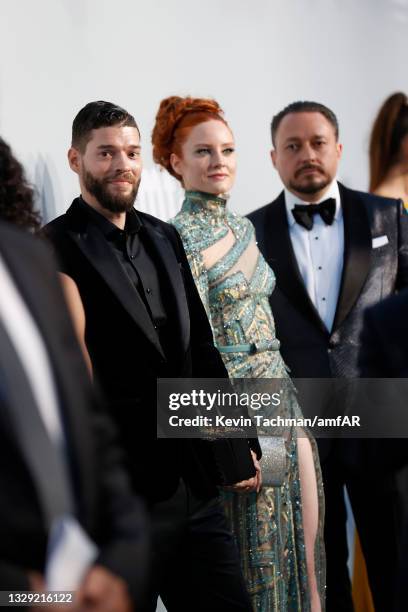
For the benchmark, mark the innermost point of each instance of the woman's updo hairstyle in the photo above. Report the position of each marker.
(389, 129)
(174, 120)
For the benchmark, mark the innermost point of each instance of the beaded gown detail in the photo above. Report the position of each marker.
(235, 282)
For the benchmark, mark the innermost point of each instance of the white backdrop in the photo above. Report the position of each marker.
(253, 57)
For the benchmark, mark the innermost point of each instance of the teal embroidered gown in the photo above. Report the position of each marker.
(235, 282)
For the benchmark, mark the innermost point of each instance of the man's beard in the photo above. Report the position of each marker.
(114, 203)
(312, 187)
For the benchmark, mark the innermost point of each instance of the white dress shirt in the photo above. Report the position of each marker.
(319, 253)
(31, 350)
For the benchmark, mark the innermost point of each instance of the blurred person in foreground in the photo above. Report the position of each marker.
(384, 354)
(140, 318)
(64, 488)
(388, 158)
(389, 149)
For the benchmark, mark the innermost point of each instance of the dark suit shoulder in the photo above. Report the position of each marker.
(13, 234)
(169, 231)
(384, 338)
(56, 235)
(74, 219)
(392, 310)
(155, 222)
(15, 241)
(259, 213)
(368, 198)
(55, 226)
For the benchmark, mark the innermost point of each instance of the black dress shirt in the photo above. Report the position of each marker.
(138, 260)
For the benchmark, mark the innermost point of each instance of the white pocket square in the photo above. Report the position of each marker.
(379, 241)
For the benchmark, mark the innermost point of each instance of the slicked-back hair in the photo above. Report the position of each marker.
(304, 107)
(96, 115)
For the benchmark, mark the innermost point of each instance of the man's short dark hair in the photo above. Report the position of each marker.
(304, 107)
(96, 115)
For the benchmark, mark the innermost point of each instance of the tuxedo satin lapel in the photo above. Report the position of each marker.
(357, 253)
(95, 248)
(282, 259)
(163, 248)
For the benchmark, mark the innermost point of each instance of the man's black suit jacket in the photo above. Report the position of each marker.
(104, 504)
(369, 275)
(127, 356)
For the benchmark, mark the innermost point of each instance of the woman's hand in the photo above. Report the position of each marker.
(252, 484)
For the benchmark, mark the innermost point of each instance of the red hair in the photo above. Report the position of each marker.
(174, 121)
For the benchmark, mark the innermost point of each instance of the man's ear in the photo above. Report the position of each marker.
(74, 159)
(273, 157)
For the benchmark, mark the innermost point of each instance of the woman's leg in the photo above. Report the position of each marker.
(310, 511)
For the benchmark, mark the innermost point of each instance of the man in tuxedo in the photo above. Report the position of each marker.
(334, 251)
(139, 317)
(59, 464)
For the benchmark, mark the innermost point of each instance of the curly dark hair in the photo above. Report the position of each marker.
(16, 195)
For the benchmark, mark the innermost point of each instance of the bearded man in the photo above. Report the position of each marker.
(335, 251)
(139, 317)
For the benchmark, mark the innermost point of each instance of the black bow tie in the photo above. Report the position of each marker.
(303, 213)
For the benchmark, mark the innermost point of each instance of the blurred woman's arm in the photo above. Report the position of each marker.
(77, 311)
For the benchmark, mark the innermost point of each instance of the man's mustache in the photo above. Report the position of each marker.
(309, 167)
(126, 176)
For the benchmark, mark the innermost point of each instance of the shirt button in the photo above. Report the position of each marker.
(148, 290)
(316, 237)
(319, 268)
(324, 299)
(132, 257)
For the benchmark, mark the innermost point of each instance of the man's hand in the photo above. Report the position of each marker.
(252, 484)
(102, 591)
(37, 584)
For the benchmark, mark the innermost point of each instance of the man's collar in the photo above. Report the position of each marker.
(132, 224)
(332, 191)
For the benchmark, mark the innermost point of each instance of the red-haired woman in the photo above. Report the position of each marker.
(279, 529)
(389, 149)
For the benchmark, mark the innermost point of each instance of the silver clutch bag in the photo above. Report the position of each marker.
(273, 462)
